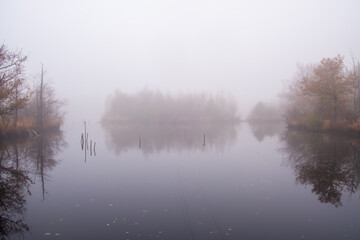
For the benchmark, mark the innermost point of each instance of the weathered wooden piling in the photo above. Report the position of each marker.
(82, 141)
(94, 148)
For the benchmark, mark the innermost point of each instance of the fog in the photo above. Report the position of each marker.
(243, 48)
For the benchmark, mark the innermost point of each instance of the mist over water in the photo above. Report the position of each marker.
(184, 138)
(175, 186)
(330, 165)
(244, 48)
(174, 120)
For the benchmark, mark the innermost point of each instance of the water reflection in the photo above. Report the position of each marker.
(265, 129)
(19, 163)
(42, 152)
(14, 187)
(153, 139)
(330, 164)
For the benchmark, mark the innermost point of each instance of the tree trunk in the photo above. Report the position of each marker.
(41, 102)
(16, 109)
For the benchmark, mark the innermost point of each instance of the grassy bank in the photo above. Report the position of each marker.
(343, 127)
(26, 128)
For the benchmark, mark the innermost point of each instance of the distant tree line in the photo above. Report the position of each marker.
(324, 96)
(264, 112)
(155, 107)
(23, 109)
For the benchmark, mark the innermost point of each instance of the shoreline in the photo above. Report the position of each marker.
(22, 134)
(331, 131)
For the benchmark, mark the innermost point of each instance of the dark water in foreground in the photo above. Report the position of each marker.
(241, 182)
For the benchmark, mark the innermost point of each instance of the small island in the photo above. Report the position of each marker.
(149, 107)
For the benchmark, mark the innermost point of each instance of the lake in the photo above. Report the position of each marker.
(248, 181)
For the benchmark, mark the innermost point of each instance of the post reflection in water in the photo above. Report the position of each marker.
(20, 164)
(330, 164)
(153, 138)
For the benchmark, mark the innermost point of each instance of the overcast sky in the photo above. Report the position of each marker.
(245, 48)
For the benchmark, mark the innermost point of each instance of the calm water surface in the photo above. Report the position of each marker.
(236, 182)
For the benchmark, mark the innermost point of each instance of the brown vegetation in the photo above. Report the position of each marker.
(24, 110)
(325, 97)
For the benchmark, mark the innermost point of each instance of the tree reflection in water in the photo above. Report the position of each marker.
(14, 187)
(42, 153)
(330, 164)
(262, 129)
(153, 138)
(19, 162)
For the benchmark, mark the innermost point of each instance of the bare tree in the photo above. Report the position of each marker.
(354, 77)
(44, 107)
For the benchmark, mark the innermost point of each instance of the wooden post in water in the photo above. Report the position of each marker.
(94, 148)
(85, 139)
(204, 140)
(85, 129)
(139, 142)
(82, 141)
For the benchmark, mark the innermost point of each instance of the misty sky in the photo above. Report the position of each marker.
(245, 48)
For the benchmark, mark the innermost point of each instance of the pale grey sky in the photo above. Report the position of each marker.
(245, 48)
